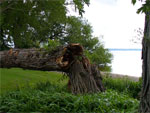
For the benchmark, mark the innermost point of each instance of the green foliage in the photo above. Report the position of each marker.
(101, 57)
(78, 30)
(79, 4)
(47, 97)
(145, 6)
(24, 23)
(51, 45)
(124, 85)
(133, 2)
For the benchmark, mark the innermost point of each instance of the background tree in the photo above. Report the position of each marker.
(145, 93)
(78, 30)
(101, 57)
(26, 23)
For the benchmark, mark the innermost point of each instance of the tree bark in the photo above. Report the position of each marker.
(145, 93)
(84, 77)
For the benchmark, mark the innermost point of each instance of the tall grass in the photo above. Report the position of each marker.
(123, 85)
(46, 97)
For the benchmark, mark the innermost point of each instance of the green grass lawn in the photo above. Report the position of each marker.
(12, 78)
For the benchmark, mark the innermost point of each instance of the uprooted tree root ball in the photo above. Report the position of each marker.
(84, 77)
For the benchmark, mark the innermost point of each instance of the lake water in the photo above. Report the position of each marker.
(127, 62)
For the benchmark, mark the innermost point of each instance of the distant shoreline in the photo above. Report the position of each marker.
(113, 75)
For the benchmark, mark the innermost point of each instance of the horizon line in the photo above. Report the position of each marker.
(124, 49)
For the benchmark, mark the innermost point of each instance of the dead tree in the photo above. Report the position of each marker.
(84, 77)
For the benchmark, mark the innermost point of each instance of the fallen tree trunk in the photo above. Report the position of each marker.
(84, 77)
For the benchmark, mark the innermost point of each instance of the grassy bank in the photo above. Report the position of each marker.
(11, 79)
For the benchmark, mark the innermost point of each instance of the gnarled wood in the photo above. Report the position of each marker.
(84, 77)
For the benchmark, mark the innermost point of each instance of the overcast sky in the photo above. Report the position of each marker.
(116, 20)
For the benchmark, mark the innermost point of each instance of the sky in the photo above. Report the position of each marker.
(115, 21)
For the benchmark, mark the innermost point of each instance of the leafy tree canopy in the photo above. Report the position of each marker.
(26, 23)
